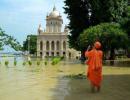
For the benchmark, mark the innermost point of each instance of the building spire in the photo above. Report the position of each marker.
(54, 8)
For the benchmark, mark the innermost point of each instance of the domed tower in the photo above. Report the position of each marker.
(54, 22)
(40, 29)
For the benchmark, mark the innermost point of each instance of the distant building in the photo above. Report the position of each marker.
(52, 41)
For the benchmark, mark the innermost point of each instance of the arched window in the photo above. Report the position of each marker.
(52, 45)
(40, 54)
(47, 54)
(58, 45)
(57, 53)
(52, 54)
(69, 54)
(64, 54)
(64, 45)
(41, 45)
(47, 45)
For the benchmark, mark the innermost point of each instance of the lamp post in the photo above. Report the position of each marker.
(28, 48)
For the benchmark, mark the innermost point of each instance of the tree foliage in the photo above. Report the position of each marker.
(125, 22)
(8, 40)
(77, 11)
(108, 10)
(30, 44)
(101, 11)
(110, 35)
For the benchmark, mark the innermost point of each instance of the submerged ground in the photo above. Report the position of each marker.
(24, 82)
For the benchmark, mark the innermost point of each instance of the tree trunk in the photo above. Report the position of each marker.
(112, 56)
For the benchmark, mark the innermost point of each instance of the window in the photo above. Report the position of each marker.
(41, 45)
(52, 45)
(47, 45)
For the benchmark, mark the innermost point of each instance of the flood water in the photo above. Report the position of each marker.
(43, 82)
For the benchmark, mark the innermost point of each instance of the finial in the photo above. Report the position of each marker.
(39, 29)
(39, 26)
(54, 6)
(54, 9)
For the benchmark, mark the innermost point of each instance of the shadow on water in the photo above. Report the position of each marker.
(114, 87)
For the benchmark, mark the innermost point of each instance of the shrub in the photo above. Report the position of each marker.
(30, 63)
(6, 63)
(56, 60)
(45, 62)
(24, 63)
(38, 63)
(15, 63)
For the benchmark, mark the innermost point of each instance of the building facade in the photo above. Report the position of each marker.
(52, 41)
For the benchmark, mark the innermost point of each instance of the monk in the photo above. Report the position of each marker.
(94, 72)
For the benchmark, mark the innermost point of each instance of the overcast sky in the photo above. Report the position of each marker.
(22, 17)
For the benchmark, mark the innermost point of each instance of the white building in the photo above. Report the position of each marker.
(52, 41)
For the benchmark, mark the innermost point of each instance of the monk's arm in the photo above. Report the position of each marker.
(87, 52)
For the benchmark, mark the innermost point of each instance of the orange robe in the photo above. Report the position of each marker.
(94, 72)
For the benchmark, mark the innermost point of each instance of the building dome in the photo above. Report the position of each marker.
(54, 13)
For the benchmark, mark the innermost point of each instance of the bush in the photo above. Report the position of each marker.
(45, 62)
(38, 63)
(56, 60)
(30, 63)
(15, 63)
(6, 63)
(24, 63)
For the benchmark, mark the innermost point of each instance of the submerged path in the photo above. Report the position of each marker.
(48, 83)
(115, 85)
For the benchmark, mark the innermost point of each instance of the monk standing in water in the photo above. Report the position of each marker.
(94, 72)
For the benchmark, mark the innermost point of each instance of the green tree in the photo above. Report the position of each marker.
(32, 43)
(110, 35)
(108, 10)
(77, 11)
(125, 22)
(8, 40)
(85, 13)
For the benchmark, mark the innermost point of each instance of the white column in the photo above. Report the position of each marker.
(61, 45)
(43, 49)
(38, 48)
(61, 48)
(55, 45)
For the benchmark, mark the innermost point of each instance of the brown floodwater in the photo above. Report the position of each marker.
(25, 82)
